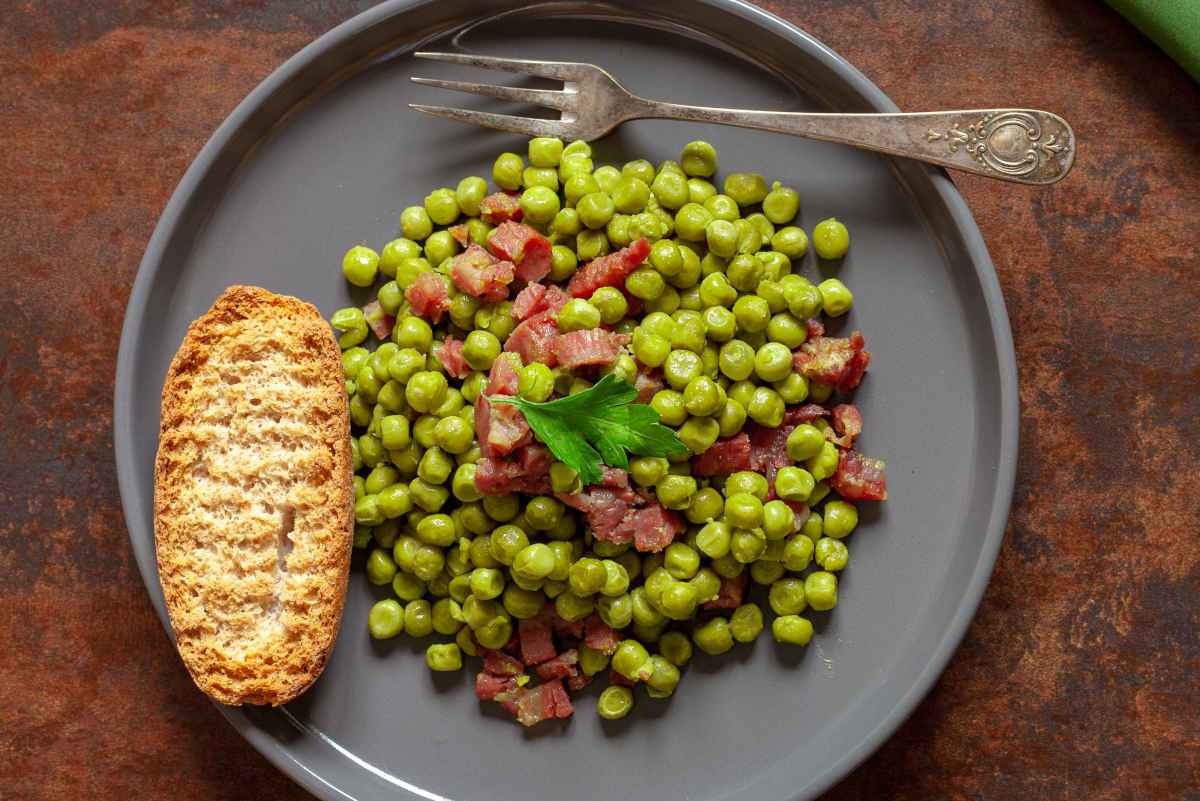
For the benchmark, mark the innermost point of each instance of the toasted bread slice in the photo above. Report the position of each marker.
(253, 497)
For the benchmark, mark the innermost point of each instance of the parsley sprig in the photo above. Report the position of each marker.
(597, 426)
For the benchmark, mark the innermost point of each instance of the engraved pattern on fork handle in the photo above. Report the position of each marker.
(1019, 145)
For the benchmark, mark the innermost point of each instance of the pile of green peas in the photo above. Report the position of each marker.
(724, 306)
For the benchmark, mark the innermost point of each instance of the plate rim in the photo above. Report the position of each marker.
(959, 214)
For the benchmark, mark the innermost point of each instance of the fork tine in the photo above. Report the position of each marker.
(504, 122)
(560, 70)
(538, 97)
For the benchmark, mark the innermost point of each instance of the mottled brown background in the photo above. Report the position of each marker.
(1080, 678)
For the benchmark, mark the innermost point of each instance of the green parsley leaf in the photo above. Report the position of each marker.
(597, 426)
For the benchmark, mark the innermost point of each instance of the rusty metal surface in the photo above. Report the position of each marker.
(1078, 678)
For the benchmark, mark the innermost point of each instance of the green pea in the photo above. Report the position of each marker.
(836, 299)
(539, 204)
(667, 301)
(790, 241)
(773, 362)
(442, 207)
(646, 471)
(587, 577)
(794, 484)
(830, 238)
(572, 607)
(545, 151)
(495, 633)
(415, 223)
(444, 658)
(545, 177)
(616, 578)
(630, 194)
(396, 252)
(820, 590)
(578, 315)
(591, 245)
(675, 492)
(832, 555)
(579, 186)
(840, 519)
(723, 207)
(714, 538)
(700, 190)
(435, 466)
(714, 636)
(721, 237)
(353, 360)
(663, 680)
(502, 508)
(507, 170)
(481, 349)
(412, 332)
(367, 512)
(381, 568)
(681, 367)
(786, 596)
(746, 623)
(766, 407)
(607, 177)
(681, 561)
(736, 360)
(596, 209)
(506, 542)
(825, 463)
(543, 512)
(698, 158)
(486, 583)
(353, 325)
(749, 240)
(577, 147)
(707, 584)
(632, 661)
(563, 264)
(743, 510)
(720, 323)
(386, 619)
(426, 390)
(691, 222)
(747, 188)
(792, 630)
(645, 283)
(752, 313)
(781, 204)
(805, 442)
(447, 616)
(615, 702)
(616, 611)
(804, 300)
(418, 618)
(470, 194)
(786, 330)
(675, 647)
(670, 189)
(360, 265)
(534, 561)
(428, 496)
(522, 604)
(747, 545)
(778, 520)
(641, 169)
(699, 433)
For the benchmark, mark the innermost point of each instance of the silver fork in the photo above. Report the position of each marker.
(1025, 146)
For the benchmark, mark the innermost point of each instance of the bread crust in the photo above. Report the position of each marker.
(253, 497)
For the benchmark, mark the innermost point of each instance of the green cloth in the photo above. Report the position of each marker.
(1174, 25)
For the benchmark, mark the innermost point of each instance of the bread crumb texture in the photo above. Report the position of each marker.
(253, 497)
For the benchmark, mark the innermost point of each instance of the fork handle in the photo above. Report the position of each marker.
(1025, 146)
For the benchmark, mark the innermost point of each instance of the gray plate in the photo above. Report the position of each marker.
(324, 154)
